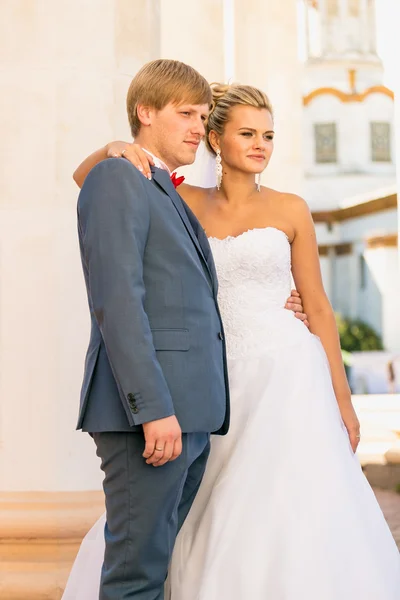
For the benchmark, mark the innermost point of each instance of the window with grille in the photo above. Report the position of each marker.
(325, 143)
(380, 142)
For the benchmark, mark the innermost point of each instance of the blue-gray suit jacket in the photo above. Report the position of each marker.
(157, 344)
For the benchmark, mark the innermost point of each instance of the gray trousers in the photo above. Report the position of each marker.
(146, 506)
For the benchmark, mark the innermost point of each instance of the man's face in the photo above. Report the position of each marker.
(176, 132)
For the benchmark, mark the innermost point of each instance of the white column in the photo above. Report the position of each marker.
(364, 30)
(65, 70)
(267, 57)
(396, 48)
(372, 25)
(194, 32)
(341, 29)
(327, 43)
(229, 40)
(354, 281)
(332, 279)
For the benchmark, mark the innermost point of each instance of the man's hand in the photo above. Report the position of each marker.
(294, 303)
(163, 441)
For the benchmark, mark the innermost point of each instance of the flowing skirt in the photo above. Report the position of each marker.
(284, 511)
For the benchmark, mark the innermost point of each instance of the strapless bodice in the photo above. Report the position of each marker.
(254, 275)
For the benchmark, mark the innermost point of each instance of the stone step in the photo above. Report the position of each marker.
(40, 535)
(33, 581)
(380, 428)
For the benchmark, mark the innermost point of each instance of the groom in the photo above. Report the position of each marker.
(155, 382)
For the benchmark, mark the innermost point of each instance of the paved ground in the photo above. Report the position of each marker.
(390, 504)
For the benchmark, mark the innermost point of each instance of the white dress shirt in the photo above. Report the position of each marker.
(157, 161)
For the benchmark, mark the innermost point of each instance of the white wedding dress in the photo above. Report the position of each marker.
(284, 511)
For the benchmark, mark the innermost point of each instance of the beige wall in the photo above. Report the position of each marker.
(193, 33)
(266, 56)
(65, 70)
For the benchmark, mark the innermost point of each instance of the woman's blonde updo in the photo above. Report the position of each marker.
(225, 97)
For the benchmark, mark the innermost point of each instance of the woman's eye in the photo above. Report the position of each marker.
(247, 133)
(185, 113)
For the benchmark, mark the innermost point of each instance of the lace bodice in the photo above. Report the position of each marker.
(254, 274)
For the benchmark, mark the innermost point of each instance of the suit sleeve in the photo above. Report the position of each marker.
(114, 221)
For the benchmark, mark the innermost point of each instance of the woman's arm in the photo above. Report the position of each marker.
(132, 152)
(307, 275)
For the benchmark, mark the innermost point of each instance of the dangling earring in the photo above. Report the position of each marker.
(218, 168)
(258, 182)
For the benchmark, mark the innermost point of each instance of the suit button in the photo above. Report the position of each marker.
(132, 403)
(220, 335)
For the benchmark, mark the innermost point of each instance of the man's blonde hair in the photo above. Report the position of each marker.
(163, 81)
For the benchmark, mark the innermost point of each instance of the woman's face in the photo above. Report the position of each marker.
(247, 141)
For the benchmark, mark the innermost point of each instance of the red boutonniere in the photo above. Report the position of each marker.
(177, 180)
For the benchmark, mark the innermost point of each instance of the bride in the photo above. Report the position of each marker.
(284, 511)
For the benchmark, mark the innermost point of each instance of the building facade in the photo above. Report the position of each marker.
(349, 162)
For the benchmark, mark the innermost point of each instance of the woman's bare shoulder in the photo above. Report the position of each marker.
(286, 200)
(193, 195)
(286, 209)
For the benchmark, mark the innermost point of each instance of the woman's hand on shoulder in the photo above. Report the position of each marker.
(132, 152)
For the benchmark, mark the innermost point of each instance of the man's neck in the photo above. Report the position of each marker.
(149, 148)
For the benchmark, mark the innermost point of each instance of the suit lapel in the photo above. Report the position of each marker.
(190, 221)
(203, 241)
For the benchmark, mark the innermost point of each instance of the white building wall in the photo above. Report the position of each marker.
(371, 303)
(327, 185)
(370, 298)
(383, 264)
(341, 294)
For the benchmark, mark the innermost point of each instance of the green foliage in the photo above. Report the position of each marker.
(357, 336)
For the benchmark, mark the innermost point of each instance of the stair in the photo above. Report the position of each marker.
(40, 533)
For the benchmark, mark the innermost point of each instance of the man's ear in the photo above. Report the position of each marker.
(144, 114)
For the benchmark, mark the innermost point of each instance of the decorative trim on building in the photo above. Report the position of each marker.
(358, 210)
(352, 80)
(346, 96)
(343, 249)
(390, 240)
